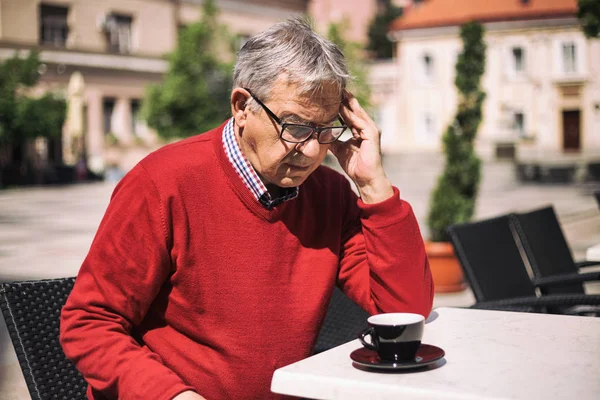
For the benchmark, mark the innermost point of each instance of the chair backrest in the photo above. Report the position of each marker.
(344, 321)
(32, 313)
(546, 247)
(491, 259)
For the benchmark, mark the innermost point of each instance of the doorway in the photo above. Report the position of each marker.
(571, 124)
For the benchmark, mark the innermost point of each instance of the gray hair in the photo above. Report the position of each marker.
(293, 48)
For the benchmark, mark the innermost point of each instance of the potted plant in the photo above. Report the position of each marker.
(453, 198)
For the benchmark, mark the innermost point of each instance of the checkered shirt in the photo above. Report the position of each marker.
(249, 176)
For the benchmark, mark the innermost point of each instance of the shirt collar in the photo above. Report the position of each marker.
(246, 171)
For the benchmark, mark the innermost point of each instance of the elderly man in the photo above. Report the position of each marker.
(217, 256)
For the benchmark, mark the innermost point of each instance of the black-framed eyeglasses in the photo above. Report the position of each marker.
(299, 133)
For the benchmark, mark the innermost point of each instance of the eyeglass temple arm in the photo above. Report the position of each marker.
(271, 114)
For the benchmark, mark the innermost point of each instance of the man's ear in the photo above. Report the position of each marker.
(239, 97)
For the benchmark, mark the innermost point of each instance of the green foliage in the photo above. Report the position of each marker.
(356, 63)
(379, 43)
(589, 15)
(453, 198)
(41, 117)
(23, 117)
(194, 95)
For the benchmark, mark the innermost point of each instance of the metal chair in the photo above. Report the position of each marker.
(548, 253)
(496, 271)
(344, 321)
(31, 310)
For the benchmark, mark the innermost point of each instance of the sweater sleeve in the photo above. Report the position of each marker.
(121, 275)
(383, 265)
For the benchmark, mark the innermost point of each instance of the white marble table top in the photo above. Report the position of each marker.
(489, 355)
(593, 253)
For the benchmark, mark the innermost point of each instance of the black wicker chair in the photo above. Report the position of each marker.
(344, 321)
(548, 253)
(496, 271)
(32, 313)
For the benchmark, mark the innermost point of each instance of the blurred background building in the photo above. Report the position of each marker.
(118, 47)
(542, 75)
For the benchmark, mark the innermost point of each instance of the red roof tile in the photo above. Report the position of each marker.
(435, 13)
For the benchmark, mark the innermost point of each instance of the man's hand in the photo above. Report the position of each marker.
(188, 395)
(360, 157)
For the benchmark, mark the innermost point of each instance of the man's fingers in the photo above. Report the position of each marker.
(352, 119)
(360, 127)
(352, 103)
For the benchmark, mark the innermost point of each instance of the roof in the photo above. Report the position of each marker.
(437, 13)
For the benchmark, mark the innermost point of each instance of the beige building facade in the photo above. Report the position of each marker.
(542, 79)
(118, 47)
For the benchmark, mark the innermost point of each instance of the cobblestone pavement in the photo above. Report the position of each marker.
(45, 232)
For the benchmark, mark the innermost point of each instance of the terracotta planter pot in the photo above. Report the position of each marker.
(446, 271)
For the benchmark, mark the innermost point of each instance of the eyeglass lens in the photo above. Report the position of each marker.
(299, 133)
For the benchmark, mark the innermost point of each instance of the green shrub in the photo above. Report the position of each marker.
(453, 199)
(194, 95)
(588, 13)
(24, 117)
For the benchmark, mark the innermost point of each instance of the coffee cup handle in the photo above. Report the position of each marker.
(365, 333)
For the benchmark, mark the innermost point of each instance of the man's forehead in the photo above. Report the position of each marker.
(311, 110)
(308, 100)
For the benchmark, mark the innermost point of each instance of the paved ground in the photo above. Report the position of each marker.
(46, 232)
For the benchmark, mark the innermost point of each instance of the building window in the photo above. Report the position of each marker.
(569, 54)
(117, 28)
(519, 124)
(53, 25)
(429, 125)
(518, 55)
(108, 108)
(428, 66)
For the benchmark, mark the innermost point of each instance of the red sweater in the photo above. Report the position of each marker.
(191, 284)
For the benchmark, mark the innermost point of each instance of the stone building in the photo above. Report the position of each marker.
(542, 77)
